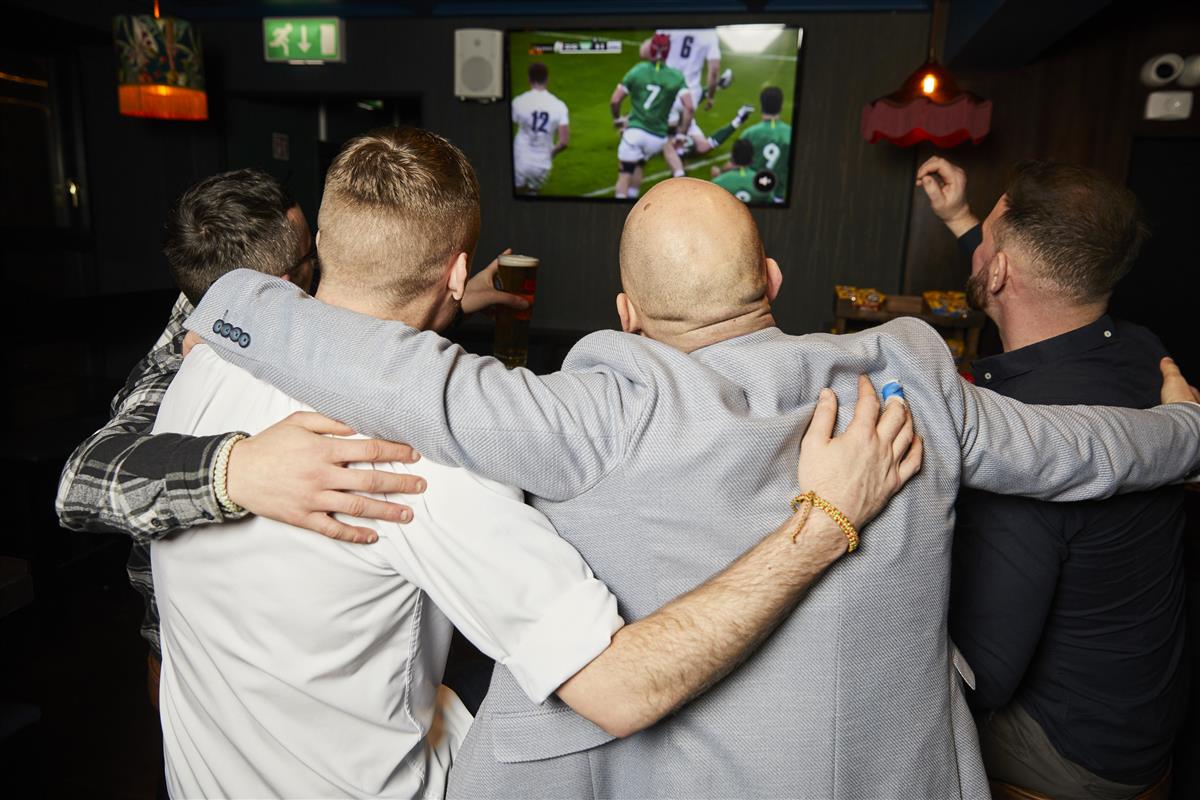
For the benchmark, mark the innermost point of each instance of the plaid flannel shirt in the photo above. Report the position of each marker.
(122, 479)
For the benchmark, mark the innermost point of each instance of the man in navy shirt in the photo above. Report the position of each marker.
(1071, 615)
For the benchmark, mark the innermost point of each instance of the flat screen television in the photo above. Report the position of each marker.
(606, 114)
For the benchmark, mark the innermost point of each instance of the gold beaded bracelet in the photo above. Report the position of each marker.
(810, 499)
(220, 476)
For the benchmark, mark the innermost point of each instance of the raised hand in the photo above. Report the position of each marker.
(294, 473)
(946, 186)
(481, 292)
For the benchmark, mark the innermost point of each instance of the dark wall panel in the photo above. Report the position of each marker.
(1081, 103)
(848, 215)
(136, 169)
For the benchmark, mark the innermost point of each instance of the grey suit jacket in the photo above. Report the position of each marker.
(661, 467)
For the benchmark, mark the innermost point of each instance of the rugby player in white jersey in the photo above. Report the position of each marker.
(693, 52)
(538, 115)
(696, 52)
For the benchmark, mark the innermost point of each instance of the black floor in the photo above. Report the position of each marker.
(74, 658)
(73, 682)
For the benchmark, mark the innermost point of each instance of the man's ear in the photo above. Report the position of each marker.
(998, 274)
(774, 279)
(457, 283)
(287, 276)
(628, 314)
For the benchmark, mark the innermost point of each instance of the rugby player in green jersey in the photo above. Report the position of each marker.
(652, 87)
(742, 181)
(772, 141)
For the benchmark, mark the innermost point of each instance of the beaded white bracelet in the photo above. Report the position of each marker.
(221, 476)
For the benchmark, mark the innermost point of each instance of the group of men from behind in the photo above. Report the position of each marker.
(299, 665)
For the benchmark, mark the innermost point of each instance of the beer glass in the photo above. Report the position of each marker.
(517, 274)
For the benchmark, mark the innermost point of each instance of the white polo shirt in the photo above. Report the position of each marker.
(298, 666)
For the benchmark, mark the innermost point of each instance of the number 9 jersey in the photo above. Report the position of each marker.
(772, 141)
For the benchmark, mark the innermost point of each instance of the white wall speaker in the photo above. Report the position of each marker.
(478, 64)
(1168, 106)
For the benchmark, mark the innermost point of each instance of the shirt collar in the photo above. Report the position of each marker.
(991, 370)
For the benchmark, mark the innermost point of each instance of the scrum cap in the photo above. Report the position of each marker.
(660, 46)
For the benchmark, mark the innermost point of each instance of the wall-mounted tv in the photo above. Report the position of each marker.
(606, 114)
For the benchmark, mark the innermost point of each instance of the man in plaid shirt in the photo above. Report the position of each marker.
(123, 479)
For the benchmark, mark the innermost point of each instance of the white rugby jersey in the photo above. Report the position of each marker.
(538, 113)
(691, 50)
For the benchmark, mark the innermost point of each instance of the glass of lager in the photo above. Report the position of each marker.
(517, 274)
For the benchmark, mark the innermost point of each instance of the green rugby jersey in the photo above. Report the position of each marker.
(652, 89)
(772, 140)
(739, 182)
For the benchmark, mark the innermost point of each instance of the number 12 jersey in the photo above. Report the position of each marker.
(537, 114)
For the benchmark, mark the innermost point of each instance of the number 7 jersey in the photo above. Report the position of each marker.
(538, 115)
(652, 89)
(772, 141)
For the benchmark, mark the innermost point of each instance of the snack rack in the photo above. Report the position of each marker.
(961, 332)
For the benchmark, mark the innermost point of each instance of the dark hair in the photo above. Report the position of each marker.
(1082, 231)
(538, 73)
(228, 221)
(742, 153)
(771, 100)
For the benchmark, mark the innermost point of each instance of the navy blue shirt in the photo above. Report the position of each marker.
(1076, 610)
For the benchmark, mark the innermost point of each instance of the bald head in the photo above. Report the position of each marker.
(691, 257)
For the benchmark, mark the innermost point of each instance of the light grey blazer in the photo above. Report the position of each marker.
(661, 467)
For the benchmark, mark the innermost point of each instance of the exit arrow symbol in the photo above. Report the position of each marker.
(304, 45)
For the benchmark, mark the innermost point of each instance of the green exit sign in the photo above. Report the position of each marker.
(303, 40)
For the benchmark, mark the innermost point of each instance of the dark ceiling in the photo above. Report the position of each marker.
(1001, 33)
(993, 33)
(98, 12)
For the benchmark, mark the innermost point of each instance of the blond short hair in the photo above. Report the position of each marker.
(399, 202)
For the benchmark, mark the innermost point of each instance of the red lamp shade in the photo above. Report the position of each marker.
(929, 106)
(160, 68)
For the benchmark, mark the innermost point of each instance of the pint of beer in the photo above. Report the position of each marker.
(517, 274)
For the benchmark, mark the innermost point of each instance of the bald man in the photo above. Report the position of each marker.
(858, 693)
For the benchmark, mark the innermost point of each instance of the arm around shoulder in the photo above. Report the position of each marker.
(1068, 453)
(654, 666)
(124, 479)
(390, 381)
(657, 664)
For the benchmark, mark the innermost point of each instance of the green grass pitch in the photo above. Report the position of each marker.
(585, 82)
